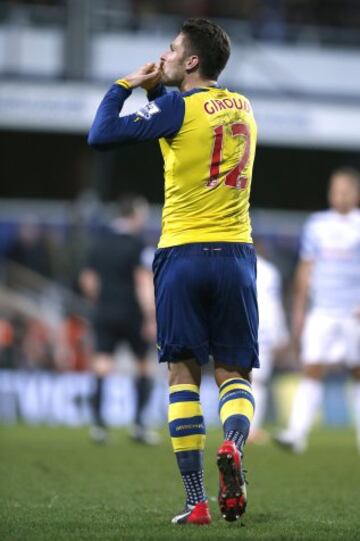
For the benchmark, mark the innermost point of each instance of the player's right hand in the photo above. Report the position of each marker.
(147, 76)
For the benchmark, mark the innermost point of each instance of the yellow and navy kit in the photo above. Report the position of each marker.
(208, 140)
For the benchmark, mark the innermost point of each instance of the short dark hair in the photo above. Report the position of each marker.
(210, 42)
(349, 172)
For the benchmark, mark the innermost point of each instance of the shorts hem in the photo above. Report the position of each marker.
(244, 357)
(173, 353)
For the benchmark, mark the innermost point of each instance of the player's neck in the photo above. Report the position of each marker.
(194, 81)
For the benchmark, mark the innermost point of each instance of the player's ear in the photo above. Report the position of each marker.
(192, 63)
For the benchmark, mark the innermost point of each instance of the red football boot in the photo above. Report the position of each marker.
(232, 487)
(194, 514)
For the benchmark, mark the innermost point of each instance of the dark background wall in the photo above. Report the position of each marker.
(53, 166)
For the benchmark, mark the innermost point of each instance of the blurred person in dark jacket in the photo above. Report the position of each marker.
(118, 280)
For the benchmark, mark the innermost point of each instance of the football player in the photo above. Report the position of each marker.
(205, 266)
(328, 275)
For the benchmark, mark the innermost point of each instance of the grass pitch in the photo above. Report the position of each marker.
(55, 484)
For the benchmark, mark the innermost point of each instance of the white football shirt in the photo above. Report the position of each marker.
(332, 242)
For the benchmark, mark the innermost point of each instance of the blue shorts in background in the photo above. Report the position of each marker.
(206, 303)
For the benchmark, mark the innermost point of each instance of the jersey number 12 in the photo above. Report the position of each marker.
(235, 178)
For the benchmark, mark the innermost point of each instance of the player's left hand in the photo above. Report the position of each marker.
(147, 76)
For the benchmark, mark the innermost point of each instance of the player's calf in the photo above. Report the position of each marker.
(187, 431)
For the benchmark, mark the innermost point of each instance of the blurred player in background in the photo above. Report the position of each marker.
(329, 276)
(117, 279)
(205, 268)
(273, 337)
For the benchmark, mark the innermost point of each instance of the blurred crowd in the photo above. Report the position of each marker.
(44, 319)
(282, 12)
(29, 343)
(268, 19)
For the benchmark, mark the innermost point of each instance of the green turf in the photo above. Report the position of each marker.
(54, 484)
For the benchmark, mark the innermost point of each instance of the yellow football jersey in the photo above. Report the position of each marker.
(208, 170)
(208, 140)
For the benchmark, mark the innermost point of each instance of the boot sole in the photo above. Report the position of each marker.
(232, 501)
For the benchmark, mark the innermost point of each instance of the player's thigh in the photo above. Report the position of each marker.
(234, 315)
(321, 343)
(181, 315)
(224, 372)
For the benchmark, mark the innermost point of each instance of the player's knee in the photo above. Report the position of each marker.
(184, 372)
(223, 373)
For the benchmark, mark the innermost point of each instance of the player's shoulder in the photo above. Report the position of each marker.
(172, 97)
(194, 91)
(240, 100)
(169, 102)
(195, 95)
(163, 116)
(235, 93)
(215, 91)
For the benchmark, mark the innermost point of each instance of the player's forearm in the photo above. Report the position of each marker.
(107, 127)
(299, 306)
(301, 296)
(302, 285)
(300, 299)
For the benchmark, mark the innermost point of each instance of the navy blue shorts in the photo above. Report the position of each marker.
(206, 303)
